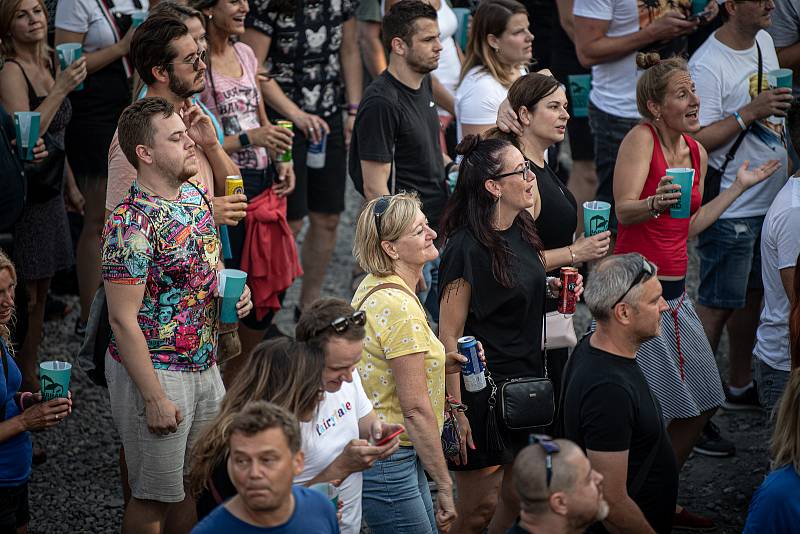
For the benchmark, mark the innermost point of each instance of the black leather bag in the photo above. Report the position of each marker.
(45, 177)
(527, 403)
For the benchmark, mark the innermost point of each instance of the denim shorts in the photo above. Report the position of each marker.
(770, 383)
(396, 497)
(730, 262)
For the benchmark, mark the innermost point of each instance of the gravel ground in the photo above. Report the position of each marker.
(78, 490)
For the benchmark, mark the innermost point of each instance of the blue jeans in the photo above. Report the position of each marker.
(730, 262)
(395, 496)
(608, 131)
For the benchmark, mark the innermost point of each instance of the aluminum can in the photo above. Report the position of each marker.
(315, 158)
(566, 296)
(286, 156)
(234, 185)
(473, 370)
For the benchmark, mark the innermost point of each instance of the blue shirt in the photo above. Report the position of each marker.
(313, 513)
(15, 453)
(775, 507)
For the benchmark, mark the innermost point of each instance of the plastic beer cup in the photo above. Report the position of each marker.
(596, 216)
(231, 285)
(69, 53)
(54, 379)
(684, 178)
(26, 124)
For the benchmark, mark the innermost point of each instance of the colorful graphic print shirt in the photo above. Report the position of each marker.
(304, 54)
(172, 247)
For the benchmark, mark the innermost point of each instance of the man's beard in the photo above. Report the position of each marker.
(418, 66)
(182, 89)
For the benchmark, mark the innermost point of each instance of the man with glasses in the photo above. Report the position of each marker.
(559, 492)
(339, 442)
(740, 122)
(608, 407)
(170, 63)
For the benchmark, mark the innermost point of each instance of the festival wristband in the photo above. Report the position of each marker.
(739, 119)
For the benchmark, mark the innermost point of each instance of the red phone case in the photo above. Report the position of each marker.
(390, 437)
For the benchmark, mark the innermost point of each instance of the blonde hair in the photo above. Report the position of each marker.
(8, 9)
(491, 18)
(7, 264)
(653, 83)
(395, 221)
(785, 444)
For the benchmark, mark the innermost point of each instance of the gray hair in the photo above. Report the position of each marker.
(609, 280)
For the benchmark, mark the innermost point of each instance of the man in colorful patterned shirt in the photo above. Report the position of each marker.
(160, 258)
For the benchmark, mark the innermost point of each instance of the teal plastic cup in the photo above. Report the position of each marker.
(54, 379)
(231, 285)
(779, 78)
(698, 6)
(69, 53)
(26, 124)
(596, 215)
(684, 178)
(329, 490)
(579, 87)
(137, 17)
(462, 15)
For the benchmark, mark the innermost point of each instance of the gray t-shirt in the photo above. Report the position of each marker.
(785, 28)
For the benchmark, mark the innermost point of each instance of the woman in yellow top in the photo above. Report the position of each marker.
(402, 368)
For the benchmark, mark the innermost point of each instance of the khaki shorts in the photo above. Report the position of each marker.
(157, 465)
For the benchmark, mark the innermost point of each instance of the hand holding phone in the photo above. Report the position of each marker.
(386, 439)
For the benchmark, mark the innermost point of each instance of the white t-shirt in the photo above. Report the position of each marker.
(780, 245)
(85, 16)
(785, 28)
(325, 437)
(449, 63)
(726, 80)
(478, 98)
(614, 83)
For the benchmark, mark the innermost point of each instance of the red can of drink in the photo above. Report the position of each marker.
(566, 297)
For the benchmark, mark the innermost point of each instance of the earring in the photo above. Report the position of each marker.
(210, 16)
(658, 118)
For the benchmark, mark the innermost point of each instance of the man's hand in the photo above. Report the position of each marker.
(286, 178)
(768, 103)
(163, 417)
(276, 139)
(670, 25)
(229, 210)
(199, 126)
(349, 124)
(311, 125)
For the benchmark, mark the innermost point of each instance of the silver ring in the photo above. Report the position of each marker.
(311, 128)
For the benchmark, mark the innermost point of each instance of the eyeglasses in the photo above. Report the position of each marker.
(378, 210)
(645, 272)
(341, 324)
(550, 447)
(195, 63)
(525, 171)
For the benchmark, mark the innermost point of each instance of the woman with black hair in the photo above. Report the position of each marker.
(494, 281)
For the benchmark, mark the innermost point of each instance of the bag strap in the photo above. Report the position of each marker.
(205, 199)
(106, 7)
(644, 470)
(387, 285)
(544, 327)
(4, 351)
(732, 152)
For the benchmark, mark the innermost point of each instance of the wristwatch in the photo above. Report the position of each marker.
(244, 140)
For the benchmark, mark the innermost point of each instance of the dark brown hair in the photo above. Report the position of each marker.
(472, 207)
(258, 416)
(528, 90)
(135, 126)
(399, 21)
(151, 46)
(313, 326)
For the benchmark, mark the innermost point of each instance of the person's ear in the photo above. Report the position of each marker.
(160, 74)
(494, 42)
(494, 189)
(399, 47)
(144, 154)
(525, 115)
(390, 250)
(298, 462)
(558, 503)
(654, 109)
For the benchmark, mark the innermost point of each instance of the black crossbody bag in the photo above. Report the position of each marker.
(714, 176)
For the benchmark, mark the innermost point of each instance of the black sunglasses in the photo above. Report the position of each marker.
(378, 210)
(195, 63)
(550, 447)
(341, 324)
(525, 171)
(645, 272)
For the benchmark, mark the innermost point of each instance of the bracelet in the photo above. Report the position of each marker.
(352, 109)
(22, 396)
(740, 120)
(651, 206)
(571, 254)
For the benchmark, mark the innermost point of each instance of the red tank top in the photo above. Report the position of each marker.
(662, 240)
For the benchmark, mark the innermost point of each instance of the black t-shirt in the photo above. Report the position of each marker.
(608, 407)
(558, 217)
(508, 321)
(392, 116)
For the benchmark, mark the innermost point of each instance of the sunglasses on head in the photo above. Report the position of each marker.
(550, 447)
(341, 324)
(645, 273)
(378, 210)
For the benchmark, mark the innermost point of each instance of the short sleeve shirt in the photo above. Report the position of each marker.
(304, 53)
(85, 16)
(170, 246)
(785, 28)
(397, 326)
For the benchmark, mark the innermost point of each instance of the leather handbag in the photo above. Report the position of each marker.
(559, 331)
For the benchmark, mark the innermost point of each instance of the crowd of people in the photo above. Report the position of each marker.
(469, 131)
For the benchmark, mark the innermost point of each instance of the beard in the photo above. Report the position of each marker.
(178, 176)
(182, 89)
(418, 66)
(602, 510)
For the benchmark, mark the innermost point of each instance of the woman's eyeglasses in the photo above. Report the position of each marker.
(341, 324)
(525, 171)
(195, 63)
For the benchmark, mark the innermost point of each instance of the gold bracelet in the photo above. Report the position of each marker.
(571, 254)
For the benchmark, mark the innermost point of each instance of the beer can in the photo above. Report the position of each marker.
(473, 370)
(234, 185)
(566, 297)
(286, 156)
(315, 158)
